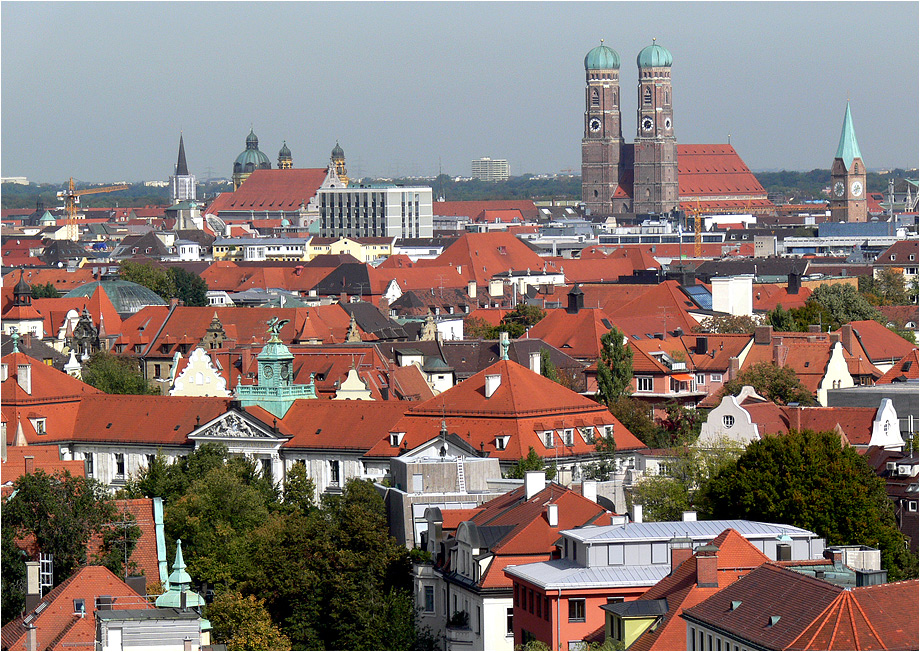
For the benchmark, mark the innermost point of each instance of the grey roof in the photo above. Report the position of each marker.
(146, 614)
(638, 608)
(666, 530)
(564, 573)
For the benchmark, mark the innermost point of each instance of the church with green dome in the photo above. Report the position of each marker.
(249, 160)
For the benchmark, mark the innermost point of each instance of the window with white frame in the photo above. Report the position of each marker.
(501, 442)
(429, 599)
(587, 434)
(568, 436)
(39, 425)
(548, 439)
(701, 379)
(509, 621)
(644, 383)
(715, 378)
(120, 465)
(608, 431)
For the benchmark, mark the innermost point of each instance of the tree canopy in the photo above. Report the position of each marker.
(62, 512)
(533, 462)
(242, 623)
(116, 374)
(152, 277)
(810, 480)
(190, 288)
(727, 324)
(46, 291)
(778, 384)
(614, 368)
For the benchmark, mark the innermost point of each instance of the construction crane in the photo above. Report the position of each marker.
(697, 228)
(72, 198)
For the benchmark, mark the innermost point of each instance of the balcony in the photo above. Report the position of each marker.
(458, 629)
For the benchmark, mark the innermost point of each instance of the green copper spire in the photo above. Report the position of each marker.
(848, 149)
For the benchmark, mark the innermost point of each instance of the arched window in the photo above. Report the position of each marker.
(856, 168)
(667, 97)
(595, 98)
(647, 97)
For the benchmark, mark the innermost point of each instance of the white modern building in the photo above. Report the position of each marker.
(488, 169)
(384, 211)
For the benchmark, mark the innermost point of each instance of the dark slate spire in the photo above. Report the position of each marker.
(181, 166)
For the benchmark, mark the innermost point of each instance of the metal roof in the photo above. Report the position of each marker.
(564, 573)
(666, 530)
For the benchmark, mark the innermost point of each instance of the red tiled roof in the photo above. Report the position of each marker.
(57, 627)
(593, 269)
(473, 209)
(576, 334)
(735, 558)
(906, 367)
(706, 170)
(480, 256)
(878, 342)
(495, 578)
(271, 190)
(144, 556)
(63, 279)
(44, 458)
(523, 404)
(504, 216)
(768, 295)
(352, 425)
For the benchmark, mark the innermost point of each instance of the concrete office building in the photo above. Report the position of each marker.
(385, 211)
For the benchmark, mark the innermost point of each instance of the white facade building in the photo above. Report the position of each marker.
(488, 169)
(389, 211)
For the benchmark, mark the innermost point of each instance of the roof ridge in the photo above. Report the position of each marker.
(855, 602)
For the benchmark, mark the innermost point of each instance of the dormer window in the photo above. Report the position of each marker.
(548, 439)
(501, 442)
(587, 434)
(396, 438)
(39, 425)
(568, 437)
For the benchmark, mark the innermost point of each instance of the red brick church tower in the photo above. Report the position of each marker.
(603, 139)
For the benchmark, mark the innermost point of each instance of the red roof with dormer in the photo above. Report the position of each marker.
(907, 368)
(57, 626)
(472, 209)
(480, 256)
(577, 334)
(523, 405)
(271, 190)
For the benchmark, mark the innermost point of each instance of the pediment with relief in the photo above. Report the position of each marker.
(234, 425)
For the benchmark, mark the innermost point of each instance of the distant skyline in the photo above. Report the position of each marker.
(101, 91)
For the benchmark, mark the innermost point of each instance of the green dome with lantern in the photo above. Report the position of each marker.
(602, 58)
(654, 56)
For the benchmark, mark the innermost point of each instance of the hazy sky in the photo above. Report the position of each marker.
(100, 91)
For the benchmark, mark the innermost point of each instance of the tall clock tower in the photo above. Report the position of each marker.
(600, 147)
(848, 177)
(655, 168)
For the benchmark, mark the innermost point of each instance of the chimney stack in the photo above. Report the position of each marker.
(833, 338)
(471, 289)
(30, 464)
(702, 345)
(637, 513)
(492, 383)
(24, 377)
(534, 483)
(734, 367)
(552, 514)
(535, 361)
(31, 637)
(780, 352)
(589, 490)
(681, 551)
(846, 337)
(763, 334)
(33, 585)
(794, 283)
(688, 516)
(707, 566)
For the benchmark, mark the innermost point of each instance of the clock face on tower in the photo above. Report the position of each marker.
(594, 125)
(839, 189)
(284, 370)
(647, 124)
(667, 123)
(268, 371)
(856, 188)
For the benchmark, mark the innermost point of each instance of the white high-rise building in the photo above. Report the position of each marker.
(383, 211)
(488, 169)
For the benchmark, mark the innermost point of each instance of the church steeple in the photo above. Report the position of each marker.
(181, 165)
(848, 177)
(848, 149)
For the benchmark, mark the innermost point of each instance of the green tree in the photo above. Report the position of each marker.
(118, 544)
(299, 490)
(62, 512)
(844, 304)
(887, 289)
(727, 324)
(635, 415)
(533, 462)
(778, 384)
(214, 518)
(190, 288)
(13, 576)
(116, 374)
(782, 320)
(243, 623)
(679, 487)
(679, 426)
(476, 328)
(517, 321)
(809, 480)
(547, 368)
(151, 277)
(46, 291)
(614, 368)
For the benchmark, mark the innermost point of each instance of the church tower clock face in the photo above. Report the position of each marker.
(647, 124)
(856, 188)
(839, 189)
(594, 125)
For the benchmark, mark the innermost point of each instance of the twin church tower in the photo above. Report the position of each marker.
(629, 178)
